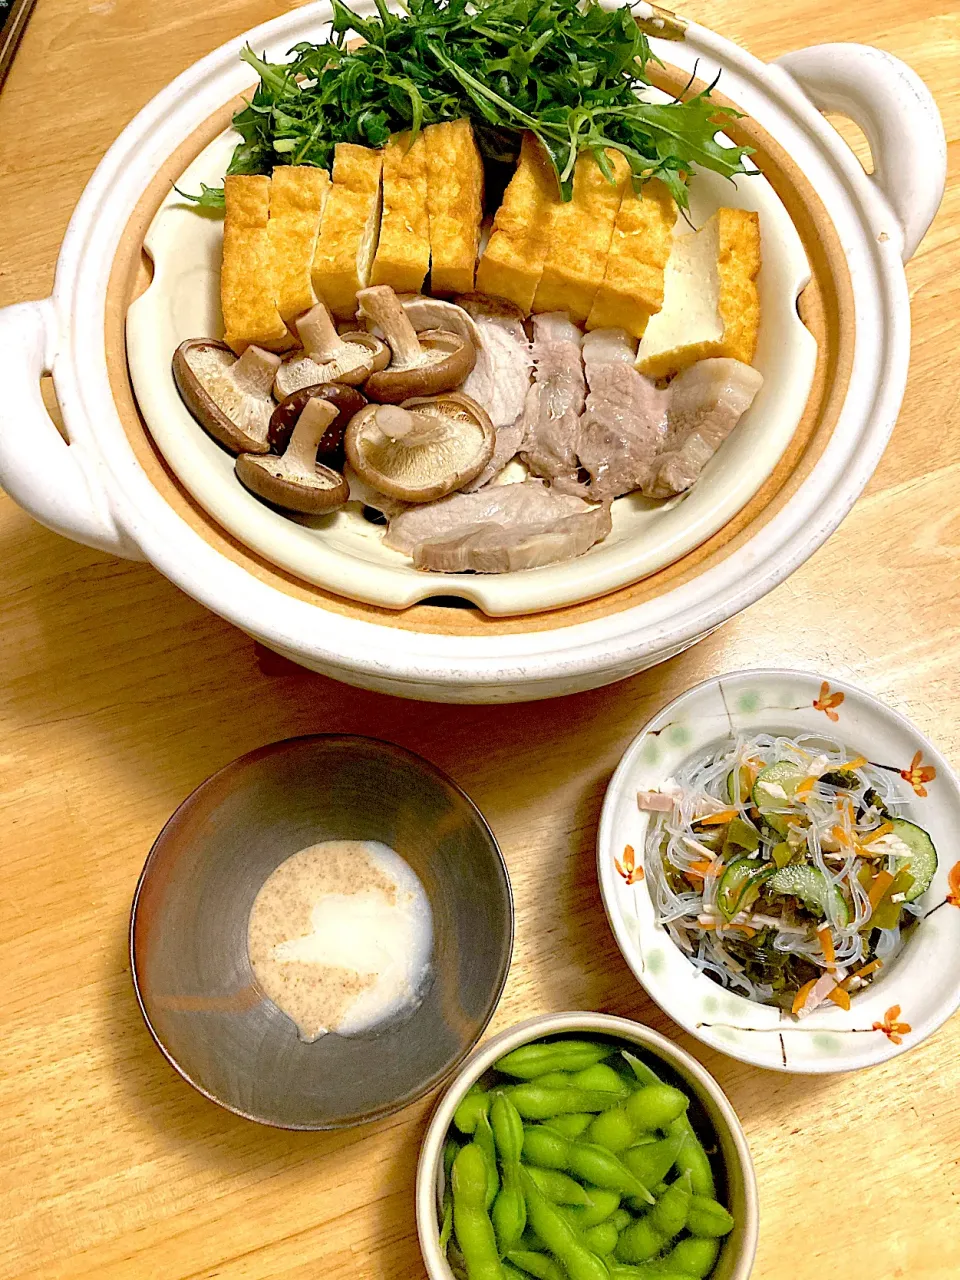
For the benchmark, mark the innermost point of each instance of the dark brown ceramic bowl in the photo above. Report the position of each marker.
(188, 930)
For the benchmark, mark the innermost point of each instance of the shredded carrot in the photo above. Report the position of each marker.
(703, 868)
(868, 969)
(884, 829)
(826, 944)
(841, 835)
(800, 999)
(856, 763)
(717, 819)
(879, 887)
(747, 930)
(839, 997)
(805, 786)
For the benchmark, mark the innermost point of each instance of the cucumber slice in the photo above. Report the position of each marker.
(783, 777)
(810, 885)
(733, 885)
(739, 884)
(923, 856)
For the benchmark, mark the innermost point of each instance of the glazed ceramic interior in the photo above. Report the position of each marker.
(711, 1114)
(924, 980)
(189, 930)
(825, 305)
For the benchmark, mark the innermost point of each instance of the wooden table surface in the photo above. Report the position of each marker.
(119, 695)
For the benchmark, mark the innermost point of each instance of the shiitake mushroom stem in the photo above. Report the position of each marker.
(382, 306)
(301, 452)
(319, 335)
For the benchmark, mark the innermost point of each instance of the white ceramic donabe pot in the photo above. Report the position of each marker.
(94, 490)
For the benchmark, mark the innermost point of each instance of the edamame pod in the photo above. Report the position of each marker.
(545, 1147)
(705, 1217)
(474, 1102)
(655, 1106)
(558, 1187)
(556, 1080)
(601, 1076)
(573, 1124)
(645, 1074)
(511, 1273)
(602, 1168)
(692, 1159)
(483, 1137)
(450, 1149)
(613, 1129)
(559, 1236)
(639, 1242)
(535, 1101)
(693, 1256)
(509, 1212)
(602, 1238)
(647, 1271)
(536, 1264)
(532, 1060)
(653, 1161)
(669, 1214)
(471, 1222)
(622, 1218)
(602, 1204)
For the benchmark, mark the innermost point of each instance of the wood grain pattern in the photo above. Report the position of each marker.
(119, 694)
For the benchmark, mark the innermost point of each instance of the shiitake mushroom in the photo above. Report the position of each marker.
(330, 452)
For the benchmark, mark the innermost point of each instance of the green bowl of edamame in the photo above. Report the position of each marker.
(580, 1146)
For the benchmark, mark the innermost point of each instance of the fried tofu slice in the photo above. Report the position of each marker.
(512, 263)
(248, 295)
(632, 287)
(711, 306)
(454, 205)
(348, 229)
(297, 196)
(403, 254)
(579, 238)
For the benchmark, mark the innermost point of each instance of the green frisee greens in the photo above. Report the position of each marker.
(568, 70)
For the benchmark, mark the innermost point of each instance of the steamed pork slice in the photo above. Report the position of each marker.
(297, 196)
(403, 254)
(498, 529)
(501, 375)
(711, 307)
(348, 229)
(551, 415)
(248, 292)
(493, 549)
(454, 204)
(706, 403)
(501, 382)
(579, 237)
(506, 447)
(632, 287)
(512, 263)
(625, 420)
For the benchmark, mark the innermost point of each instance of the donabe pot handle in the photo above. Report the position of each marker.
(50, 479)
(896, 111)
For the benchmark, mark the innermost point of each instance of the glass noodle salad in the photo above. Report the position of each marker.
(782, 868)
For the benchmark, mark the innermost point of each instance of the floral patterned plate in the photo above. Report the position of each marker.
(922, 986)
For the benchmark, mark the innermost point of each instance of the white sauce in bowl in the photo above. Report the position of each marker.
(340, 937)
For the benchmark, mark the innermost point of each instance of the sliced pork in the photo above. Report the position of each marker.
(501, 376)
(706, 403)
(625, 419)
(551, 415)
(498, 529)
